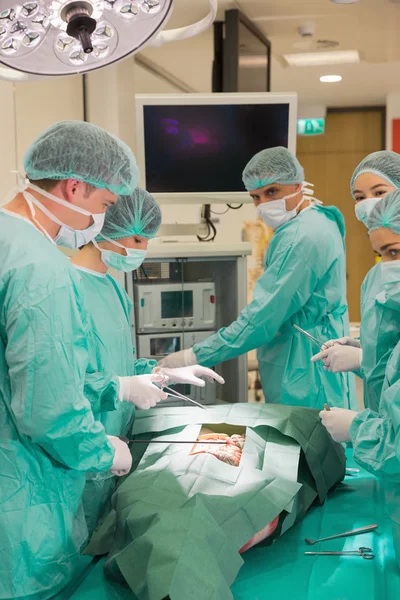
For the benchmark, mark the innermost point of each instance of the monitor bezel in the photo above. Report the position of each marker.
(143, 100)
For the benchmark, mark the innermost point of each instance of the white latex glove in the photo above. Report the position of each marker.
(190, 375)
(337, 422)
(122, 458)
(344, 341)
(340, 359)
(183, 358)
(141, 390)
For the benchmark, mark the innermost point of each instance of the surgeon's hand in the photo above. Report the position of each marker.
(122, 458)
(340, 359)
(183, 358)
(190, 375)
(344, 341)
(141, 390)
(337, 422)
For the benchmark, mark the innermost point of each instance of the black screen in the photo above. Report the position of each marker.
(205, 148)
(176, 304)
(164, 346)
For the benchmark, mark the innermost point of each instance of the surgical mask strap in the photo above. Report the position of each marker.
(111, 242)
(30, 202)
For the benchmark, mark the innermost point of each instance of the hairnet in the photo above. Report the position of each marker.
(386, 213)
(384, 163)
(137, 214)
(274, 165)
(82, 151)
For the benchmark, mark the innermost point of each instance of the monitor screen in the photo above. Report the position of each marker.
(176, 304)
(204, 148)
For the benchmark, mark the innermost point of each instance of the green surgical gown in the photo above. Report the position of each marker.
(304, 283)
(379, 332)
(48, 435)
(111, 350)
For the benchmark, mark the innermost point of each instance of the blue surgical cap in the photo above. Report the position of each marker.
(273, 165)
(385, 164)
(386, 213)
(137, 214)
(82, 151)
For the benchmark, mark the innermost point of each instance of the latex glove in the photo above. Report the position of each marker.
(340, 359)
(122, 458)
(337, 422)
(190, 375)
(344, 341)
(141, 390)
(183, 358)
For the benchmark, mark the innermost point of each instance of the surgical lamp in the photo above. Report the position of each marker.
(47, 38)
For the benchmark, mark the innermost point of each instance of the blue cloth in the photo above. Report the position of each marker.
(304, 283)
(48, 435)
(112, 353)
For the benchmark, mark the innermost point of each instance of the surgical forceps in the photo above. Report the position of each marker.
(310, 337)
(364, 552)
(174, 394)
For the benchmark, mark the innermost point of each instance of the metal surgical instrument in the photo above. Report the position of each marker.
(341, 535)
(364, 552)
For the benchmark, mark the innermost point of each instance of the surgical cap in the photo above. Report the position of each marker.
(384, 163)
(137, 214)
(274, 165)
(82, 151)
(386, 213)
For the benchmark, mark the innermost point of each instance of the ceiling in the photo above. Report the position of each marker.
(369, 26)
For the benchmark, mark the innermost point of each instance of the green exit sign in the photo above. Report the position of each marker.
(310, 126)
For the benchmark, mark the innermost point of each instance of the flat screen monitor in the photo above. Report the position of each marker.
(195, 147)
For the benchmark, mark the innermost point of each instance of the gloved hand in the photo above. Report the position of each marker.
(190, 375)
(340, 359)
(122, 458)
(141, 391)
(344, 341)
(337, 422)
(183, 358)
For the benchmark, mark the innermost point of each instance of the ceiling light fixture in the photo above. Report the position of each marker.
(331, 78)
(344, 1)
(316, 59)
(64, 37)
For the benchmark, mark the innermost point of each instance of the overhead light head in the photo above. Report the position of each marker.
(65, 37)
(331, 78)
(344, 1)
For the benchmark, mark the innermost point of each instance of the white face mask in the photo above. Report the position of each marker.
(67, 236)
(364, 207)
(274, 213)
(131, 261)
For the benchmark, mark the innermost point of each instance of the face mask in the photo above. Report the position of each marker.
(130, 262)
(67, 236)
(274, 213)
(390, 282)
(364, 208)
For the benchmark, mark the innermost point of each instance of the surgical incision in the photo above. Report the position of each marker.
(230, 452)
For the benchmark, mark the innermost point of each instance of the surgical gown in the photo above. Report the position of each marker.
(376, 441)
(379, 332)
(111, 349)
(48, 435)
(304, 283)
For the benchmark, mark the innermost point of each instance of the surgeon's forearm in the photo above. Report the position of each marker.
(143, 366)
(102, 391)
(374, 442)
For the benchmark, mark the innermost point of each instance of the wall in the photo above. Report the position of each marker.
(28, 108)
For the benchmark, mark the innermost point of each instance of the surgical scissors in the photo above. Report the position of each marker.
(309, 336)
(363, 551)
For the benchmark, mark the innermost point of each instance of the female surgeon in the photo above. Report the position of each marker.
(376, 175)
(375, 434)
(122, 244)
(304, 284)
